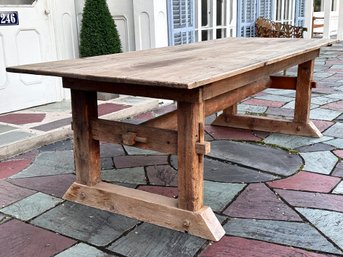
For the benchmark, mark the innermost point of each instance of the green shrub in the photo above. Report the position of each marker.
(99, 33)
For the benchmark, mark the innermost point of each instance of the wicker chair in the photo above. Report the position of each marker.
(268, 28)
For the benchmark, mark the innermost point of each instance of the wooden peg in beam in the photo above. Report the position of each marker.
(203, 148)
(131, 138)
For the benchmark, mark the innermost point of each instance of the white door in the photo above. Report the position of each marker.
(29, 42)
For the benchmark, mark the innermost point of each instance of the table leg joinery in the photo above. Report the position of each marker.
(203, 78)
(187, 213)
(179, 132)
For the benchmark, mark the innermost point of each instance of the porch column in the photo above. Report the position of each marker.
(340, 21)
(308, 18)
(327, 18)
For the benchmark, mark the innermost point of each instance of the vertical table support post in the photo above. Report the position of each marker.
(303, 92)
(86, 149)
(230, 112)
(190, 120)
(303, 99)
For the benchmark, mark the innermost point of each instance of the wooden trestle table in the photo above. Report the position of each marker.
(204, 78)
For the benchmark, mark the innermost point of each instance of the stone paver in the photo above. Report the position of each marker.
(319, 162)
(107, 108)
(291, 105)
(338, 170)
(218, 195)
(324, 114)
(293, 142)
(53, 125)
(307, 181)
(245, 108)
(338, 189)
(227, 172)
(10, 193)
(13, 136)
(136, 161)
(153, 241)
(315, 148)
(129, 175)
(277, 98)
(259, 202)
(49, 163)
(84, 223)
(137, 151)
(111, 150)
(275, 91)
(64, 145)
(282, 232)
(338, 96)
(335, 130)
(280, 112)
(312, 200)
(30, 155)
(337, 106)
(20, 239)
(338, 143)
(261, 102)
(321, 100)
(11, 167)
(322, 125)
(22, 118)
(3, 218)
(338, 153)
(231, 133)
(52, 185)
(83, 250)
(328, 222)
(5, 128)
(267, 199)
(265, 158)
(241, 247)
(31, 206)
(106, 163)
(163, 175)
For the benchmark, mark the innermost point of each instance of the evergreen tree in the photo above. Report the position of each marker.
(99, 33)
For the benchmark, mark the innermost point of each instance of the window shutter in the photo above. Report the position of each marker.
(299, 17)
(181, 28)
(247, 15)
(266, 9)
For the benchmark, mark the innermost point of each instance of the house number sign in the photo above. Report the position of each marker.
(9, 18)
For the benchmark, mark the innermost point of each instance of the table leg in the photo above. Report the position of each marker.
(86, 149)
(187, 214)
(303, 95)
(190, 116)
(300, 125)
(303, 92)
(230, 112)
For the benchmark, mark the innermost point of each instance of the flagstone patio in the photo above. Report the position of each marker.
(276, 195)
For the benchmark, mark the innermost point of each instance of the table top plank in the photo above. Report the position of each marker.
(187, 66)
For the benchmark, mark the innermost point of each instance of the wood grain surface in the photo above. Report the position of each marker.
(186, 66)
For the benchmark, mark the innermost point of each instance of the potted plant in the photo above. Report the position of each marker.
(99, 34)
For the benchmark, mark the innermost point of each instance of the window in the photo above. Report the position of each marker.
(319, 5)
(211, 19)
(249, 11)
(181, 21)
(285, 11)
